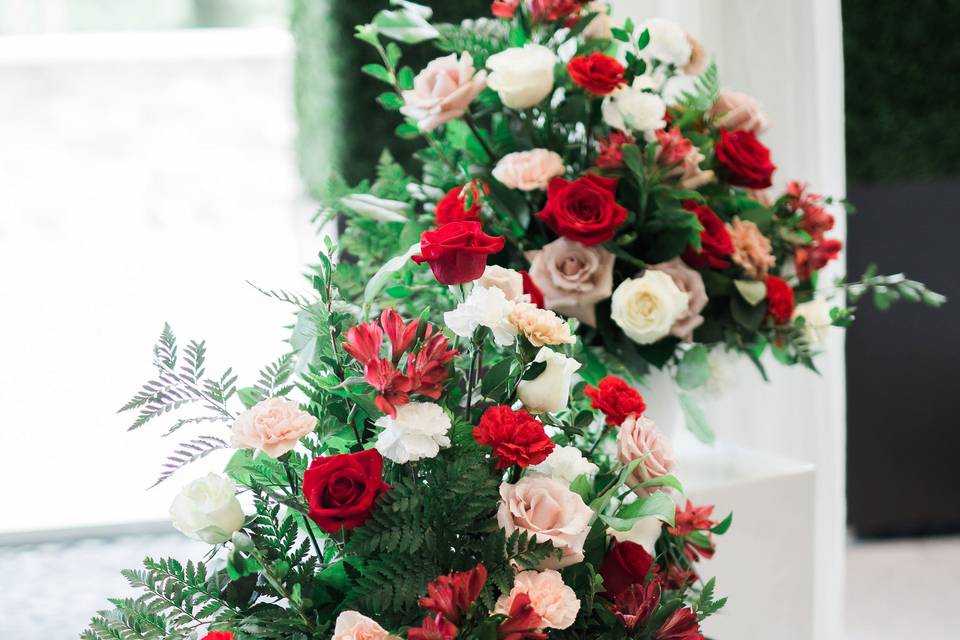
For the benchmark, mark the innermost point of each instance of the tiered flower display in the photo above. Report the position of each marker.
(604, 161)
(436, 482)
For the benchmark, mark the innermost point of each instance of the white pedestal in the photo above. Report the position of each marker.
(765, 562)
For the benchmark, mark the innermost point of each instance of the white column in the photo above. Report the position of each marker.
(787, 54)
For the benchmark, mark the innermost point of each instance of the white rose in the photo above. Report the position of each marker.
(564, 464)
(507, 280)
(633, 109)
(550, 391)
(522, 76)
(419, 431)
(644, 532)
(484, 307)
(817, 321)
(647, 307)
(207, 509)
(668, 42)
(600, 27)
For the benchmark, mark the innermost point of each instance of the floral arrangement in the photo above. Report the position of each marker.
(605, 163)
(427, 486)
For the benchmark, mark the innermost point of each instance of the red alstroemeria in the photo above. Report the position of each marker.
(523, 621)
(452, 595)
(435, 628)
(676, 577)
(401, 334)
(634, 606)
(681, 625)
(816, 219)
(393, 386)
(673, 147)
(427, 368)
(364, 342)
(692, 518)
(616, 399)
(219, 635)
(813, 257)
(610, 152)
(504, 8)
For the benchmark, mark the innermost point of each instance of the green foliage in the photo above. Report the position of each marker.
(705, 90)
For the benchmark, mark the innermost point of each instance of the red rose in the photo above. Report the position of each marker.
(779, 300)
(616, 399)
(626, 563)
(553, 10)
(743, 160)
(451, 208)
(531, 289)
(515, 436)
(598, 73)
(584, 210)
(715, 243)
(219, 635)
(681, 625)
(341, 489)
(457, 251)
(610, 152)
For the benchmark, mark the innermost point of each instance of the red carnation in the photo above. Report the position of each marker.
(598, 73)
(342, 489)
(616, 399)
(814, 257)
(584, 210)
(515, 436)
(219, 635)
(779, 300)
(634, 606)
(451, 207)
(610, 152)
(531, 289)
(451, 596)
(715, 242)
(744, 161)
(435, 628)
(522, 621)
(626, 563)
(681, 625)
(457, 252)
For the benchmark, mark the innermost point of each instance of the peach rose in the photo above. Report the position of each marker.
(507, 280)
(555, 602)
(735, 110)
(690, 282)
(550, 511)
(443, 91)
(572, 277)
(352, 625)
(638, 438)
(751, 249)
(273, 426)
(698, 57)
(529, 170)
(540, 326)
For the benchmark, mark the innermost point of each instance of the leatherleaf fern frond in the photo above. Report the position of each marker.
(705, 90)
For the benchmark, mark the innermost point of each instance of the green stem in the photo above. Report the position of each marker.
(468, 118)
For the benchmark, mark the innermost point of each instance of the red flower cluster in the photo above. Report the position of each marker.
(625, 564)
(451, 207)
(816, 256)
(426, 369)
(616, 399)
(715, 243)
(681, 625)
(515, 436)
(816, 221)
(673, 146)
(452, 595)
(342, 489)
(635, 604)
(609, 149)
(522, 621)
(779, 300)
(219, 635)
(433, 628)
(598, 73)
(692, 518)
(540, 10)
(584, 209)
(457, 251)
(744, 161)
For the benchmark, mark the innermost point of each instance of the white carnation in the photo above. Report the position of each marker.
(418, 432)
(484, 307)
(668, 42)
(564, 464)
(634, 109)
(207, 510)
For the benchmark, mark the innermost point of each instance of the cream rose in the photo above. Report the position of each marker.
(529, 170)
(638, 438)
(540, 326)
(647, 307)
(565, 464)
(552, 600)
(690, 282)
(550, 391)
(549, 511)
(644, 532)
(668, 42)
(816, 320)
(522, 76)
(735, 110)
(419, 431)
(633, 109)
(507, 280)
(443, 91)
(572, 277)
(600, 28)
(207, 510)
(273, 426)
(352, 625)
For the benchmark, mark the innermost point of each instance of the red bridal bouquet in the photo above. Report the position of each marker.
(396, 478)
(630, 189)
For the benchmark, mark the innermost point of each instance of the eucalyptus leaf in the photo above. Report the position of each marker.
(696, 420)
(694, 369)
(753, 291)
(383, 274)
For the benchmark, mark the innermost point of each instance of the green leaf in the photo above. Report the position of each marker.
(534, 370)
(496, 377)
(378, 71)
(722, 527)
(696, 421)
(633, 159)
(249, 396)
(662, 481)
(694, 369)
(753, 291)
(409, 27)
(656, 505)
(643, 40)
(582, 487)
(390, 100)
(383, 274)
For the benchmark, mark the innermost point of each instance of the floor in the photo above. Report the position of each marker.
(895, 589)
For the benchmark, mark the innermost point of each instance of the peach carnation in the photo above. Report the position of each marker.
(751, 249)
(555, 602)
(540, 326)
(273, 426)
(529, 170)
(352, 625)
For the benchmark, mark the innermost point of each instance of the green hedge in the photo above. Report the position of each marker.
(902, 66)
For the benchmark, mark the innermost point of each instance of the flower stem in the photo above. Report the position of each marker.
(468, 118)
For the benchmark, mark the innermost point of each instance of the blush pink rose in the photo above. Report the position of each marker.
(735, 111)
(529, 170)
(273, 426)
(443, 91)
(549, 510)
(555, 602)
(507, 280)
(572, 277)
(352, 625)
(690, 282)
(638, 438)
